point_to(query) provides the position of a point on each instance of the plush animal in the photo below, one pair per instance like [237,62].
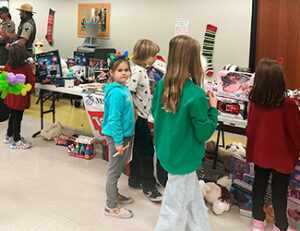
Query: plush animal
[223,154]
[237,149]
[217,195]
[51,131]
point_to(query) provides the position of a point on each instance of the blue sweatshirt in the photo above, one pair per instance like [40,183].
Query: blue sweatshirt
[118,119]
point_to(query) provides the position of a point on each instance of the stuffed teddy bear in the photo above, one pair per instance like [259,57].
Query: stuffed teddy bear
[237,149]
[217,195]
[51,131]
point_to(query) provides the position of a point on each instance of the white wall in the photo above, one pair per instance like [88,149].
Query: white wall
[134,19]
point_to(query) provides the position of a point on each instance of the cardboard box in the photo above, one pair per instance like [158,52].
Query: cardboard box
[83,147]
[293,212]
[66,139]
[239,167]
[294,184]
[234,85]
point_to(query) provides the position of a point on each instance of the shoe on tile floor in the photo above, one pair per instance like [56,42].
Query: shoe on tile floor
[277,229]
[136,184]
[153,195]
[21,144]
[7,139]
[118,212]
[258,225]
[124,200]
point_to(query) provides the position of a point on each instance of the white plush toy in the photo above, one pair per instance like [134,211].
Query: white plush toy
[238,149]
[51,131]
[217,194]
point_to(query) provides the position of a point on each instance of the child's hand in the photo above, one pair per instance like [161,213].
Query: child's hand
[212,99]
[119,149]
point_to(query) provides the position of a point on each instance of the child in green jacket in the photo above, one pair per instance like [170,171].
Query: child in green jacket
[183,120]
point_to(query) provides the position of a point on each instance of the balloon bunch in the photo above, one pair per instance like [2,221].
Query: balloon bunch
[15,84]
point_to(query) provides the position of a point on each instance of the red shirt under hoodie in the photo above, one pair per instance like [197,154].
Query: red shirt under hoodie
[19,102]
[274,136]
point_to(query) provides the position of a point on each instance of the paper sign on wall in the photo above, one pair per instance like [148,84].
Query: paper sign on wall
[182,26]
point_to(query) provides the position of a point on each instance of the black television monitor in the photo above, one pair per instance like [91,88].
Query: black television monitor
[48,65]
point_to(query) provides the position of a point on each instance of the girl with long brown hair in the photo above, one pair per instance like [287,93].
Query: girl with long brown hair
[183,120]
[273,143]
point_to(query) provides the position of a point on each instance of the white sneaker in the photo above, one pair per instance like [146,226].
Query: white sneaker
[118,212]
[21,144]
[7,139]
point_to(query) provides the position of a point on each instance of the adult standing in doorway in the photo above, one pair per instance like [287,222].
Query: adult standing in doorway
[7,33]
[27,29]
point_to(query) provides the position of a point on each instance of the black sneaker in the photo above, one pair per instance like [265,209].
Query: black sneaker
[153,195]
[136,184]
[124,199]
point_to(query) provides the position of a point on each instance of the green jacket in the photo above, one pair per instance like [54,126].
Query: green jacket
[179,138]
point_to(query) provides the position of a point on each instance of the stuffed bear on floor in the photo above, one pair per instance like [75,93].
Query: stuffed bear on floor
[51,131]
[218,195]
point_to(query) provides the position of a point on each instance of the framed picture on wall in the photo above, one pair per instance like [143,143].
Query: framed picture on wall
[94,13]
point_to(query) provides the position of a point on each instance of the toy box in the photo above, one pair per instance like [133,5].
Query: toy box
[293,212]
[239,167]
[83,147]
[66,139]
[235,85]
[230,107]
[105,156]
[294,184]
[241,197]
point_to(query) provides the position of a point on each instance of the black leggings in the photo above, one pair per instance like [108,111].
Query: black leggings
[141,166]
[279,190]
[14,124]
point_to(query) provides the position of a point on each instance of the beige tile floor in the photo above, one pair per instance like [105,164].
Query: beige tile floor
[43,189]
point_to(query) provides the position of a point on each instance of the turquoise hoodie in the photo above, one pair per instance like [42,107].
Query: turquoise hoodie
[118,119]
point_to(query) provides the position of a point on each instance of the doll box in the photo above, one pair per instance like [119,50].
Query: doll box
[239,167]
[240,197]
[83,147]
[293,212]
[294,184]
[66,139]
[235,85]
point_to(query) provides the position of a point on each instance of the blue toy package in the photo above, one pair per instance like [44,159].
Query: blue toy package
[154,76]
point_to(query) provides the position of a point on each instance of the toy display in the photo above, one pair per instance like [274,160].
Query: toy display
[217,194]
[83,147]
[15,84]
[156,71]
[235,85]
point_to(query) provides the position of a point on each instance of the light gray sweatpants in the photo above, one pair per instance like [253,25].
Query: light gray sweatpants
[114,171]
[183,207]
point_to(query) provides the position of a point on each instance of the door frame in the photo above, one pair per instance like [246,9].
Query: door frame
[252,52]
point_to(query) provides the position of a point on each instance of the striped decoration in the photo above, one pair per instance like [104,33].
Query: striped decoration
[208,48]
